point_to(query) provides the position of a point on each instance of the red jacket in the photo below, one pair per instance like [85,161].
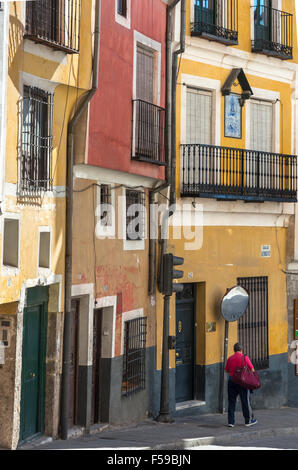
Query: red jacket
[234,361]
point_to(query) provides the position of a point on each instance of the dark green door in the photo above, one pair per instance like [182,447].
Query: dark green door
[262,20]
[33,365]
[185,335]
[205,12]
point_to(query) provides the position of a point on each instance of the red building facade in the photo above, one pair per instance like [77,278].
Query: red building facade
[120,161]
[132,68]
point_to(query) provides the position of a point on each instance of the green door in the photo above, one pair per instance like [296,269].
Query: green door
[185,344]
[33,363]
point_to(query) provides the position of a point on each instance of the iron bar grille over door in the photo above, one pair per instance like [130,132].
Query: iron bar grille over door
[35,169]
[216,20]
[253,325]
[134,356]
[55,23]
[148,118]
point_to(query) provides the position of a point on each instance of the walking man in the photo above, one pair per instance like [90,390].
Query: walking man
[234,389]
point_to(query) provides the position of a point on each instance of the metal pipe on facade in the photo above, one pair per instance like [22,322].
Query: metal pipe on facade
[174,94]
[67,333]
[152,242]
[164,413]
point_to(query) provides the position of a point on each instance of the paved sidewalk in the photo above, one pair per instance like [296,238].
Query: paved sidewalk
[184,433]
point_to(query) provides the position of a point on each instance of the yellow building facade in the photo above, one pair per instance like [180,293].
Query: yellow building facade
[236,126]
[47,65]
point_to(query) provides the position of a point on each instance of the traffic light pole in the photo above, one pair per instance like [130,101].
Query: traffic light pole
[164,413]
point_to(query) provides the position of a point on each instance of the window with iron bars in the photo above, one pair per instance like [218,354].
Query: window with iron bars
[134,356]
[105,205]
[253,325]
[35,161]
[55,23]
[122,7]
[135,215]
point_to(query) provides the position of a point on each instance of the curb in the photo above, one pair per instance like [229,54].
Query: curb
[225,439]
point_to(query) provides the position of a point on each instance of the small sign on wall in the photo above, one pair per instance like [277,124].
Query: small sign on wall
[266,251]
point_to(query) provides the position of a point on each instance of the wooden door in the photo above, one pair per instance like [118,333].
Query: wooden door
[33,367]
[96,389]
[185,334]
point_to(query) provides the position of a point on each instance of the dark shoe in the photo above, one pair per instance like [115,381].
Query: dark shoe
[252,422]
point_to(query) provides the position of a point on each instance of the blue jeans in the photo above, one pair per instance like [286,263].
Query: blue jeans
[233,391]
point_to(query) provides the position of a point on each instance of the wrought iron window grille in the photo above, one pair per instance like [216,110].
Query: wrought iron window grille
[232,173]
[216,20]
[135,215]
[134,356]
[253,325]
[273,32]
[55,23]
[148,132]
[105,205]
[35,146]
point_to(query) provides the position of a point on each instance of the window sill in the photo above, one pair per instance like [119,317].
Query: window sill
[229,38]
[52,44]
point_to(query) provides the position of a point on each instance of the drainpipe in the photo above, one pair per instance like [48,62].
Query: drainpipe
[174,94]
[169,155]
[164,413]
[67,333]
[168,173]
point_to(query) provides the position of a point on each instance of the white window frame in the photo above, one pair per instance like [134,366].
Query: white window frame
[274,98]
[205,84]
[10,270]
[156,48]
[122,20]
[209,85]
[126,316]
[105,231]
[41,270]
[130,245]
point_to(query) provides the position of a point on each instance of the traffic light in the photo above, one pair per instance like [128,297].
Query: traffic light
[169,273]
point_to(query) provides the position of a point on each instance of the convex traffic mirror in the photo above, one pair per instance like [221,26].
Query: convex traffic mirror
[234,303]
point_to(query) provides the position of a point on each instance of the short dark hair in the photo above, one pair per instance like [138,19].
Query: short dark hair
[238,347]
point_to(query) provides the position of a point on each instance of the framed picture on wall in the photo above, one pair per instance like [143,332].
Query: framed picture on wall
[233,116]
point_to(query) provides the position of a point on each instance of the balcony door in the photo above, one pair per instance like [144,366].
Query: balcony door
[261,172]
[205,11]
[145,116]
[262,20]
[201,159]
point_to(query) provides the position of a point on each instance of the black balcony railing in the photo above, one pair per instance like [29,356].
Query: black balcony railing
[148,132]
[231,173]
[216,20]
[273,32]
[55,23]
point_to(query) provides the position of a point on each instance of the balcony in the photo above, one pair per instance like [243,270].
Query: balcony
[273,32]
[148,132]
[216,20]
[54,23]
[229,173]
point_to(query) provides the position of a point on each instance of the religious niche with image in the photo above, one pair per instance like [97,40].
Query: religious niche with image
[233,115]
